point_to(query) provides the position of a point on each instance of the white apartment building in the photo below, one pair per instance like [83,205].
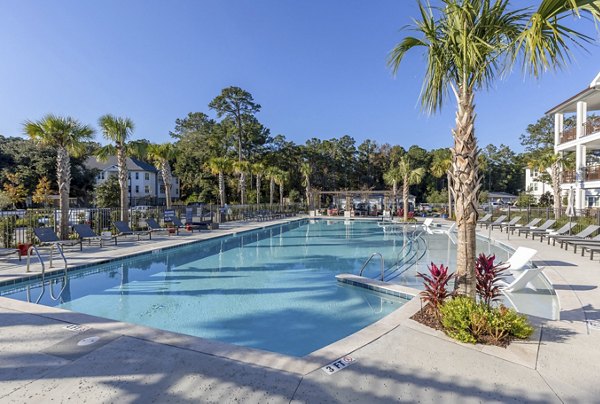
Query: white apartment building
[533,186]
[584,140]
[145,181]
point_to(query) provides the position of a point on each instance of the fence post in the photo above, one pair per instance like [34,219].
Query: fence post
[547,213]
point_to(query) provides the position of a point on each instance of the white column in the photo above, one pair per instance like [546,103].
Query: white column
[558,128]
[581,118]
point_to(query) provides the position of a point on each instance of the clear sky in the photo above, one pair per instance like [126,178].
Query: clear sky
[318,68]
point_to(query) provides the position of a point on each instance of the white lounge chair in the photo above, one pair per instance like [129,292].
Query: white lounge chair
[522,280]
[428,222]
[521,257]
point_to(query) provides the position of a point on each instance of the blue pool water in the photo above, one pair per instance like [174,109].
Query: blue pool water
[272,289]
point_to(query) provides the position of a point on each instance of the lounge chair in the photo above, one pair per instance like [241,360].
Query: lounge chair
[496,222]
[123,229]
[85,232]
[427,222]
[484,219]
[507,225]
[530,225]
[591,249]
[543,228]
[590,242]
[521,281]
[582,235]
[521,257]
[560,232]
[153,226]
[188,226]
[47,236]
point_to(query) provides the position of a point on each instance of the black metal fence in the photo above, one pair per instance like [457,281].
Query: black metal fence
[16,226]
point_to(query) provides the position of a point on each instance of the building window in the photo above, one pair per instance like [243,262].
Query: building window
[535,186]
[137,189]
[129,189]
[593,201]
[147,176]
[129,175]
[102,175]
[137,176]
[147,189]
[162,189]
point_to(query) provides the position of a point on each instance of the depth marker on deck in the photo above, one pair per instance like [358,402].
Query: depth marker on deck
[338,364]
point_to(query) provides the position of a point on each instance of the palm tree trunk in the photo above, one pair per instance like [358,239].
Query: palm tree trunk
[242,188]
[450,212]
[466,183]
[272,191]
[395,192]
[405,197]
[222,188]
[166,174]
[122,168]
[258,181]
[555,170]
[307,190]
[63,174]
[281,194]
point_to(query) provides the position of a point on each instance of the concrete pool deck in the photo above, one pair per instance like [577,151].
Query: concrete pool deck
[41,361]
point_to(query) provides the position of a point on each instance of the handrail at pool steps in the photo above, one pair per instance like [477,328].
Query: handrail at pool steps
[409,258]
[37,253]
[369,260]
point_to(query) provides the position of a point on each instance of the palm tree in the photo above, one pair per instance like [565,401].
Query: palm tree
[117,130]
[306,171]
[162,154]
[259,170]
[556,162]
[220,166]
[393,177]
[410,176]
[281,178]
[67,136]
[468,43]
[442,166]
[242,167]
[271,174]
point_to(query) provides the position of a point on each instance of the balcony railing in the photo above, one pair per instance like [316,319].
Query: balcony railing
[568,176]
[592,173]
[568,134]
[592,125]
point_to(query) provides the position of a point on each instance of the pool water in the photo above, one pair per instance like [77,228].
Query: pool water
[272,289]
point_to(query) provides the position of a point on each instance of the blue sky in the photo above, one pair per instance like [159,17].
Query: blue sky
[317,68]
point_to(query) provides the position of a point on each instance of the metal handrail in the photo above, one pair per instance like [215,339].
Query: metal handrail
[37,253]
[369,260]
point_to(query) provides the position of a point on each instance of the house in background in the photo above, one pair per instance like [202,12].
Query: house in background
[584,140]
[146,186]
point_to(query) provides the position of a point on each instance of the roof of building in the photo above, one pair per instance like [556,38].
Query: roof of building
[591,95]
[132,164]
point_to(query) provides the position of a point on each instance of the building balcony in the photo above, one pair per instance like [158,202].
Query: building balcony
[590,173]
[591,126]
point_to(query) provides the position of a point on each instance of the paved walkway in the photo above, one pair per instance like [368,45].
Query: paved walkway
[40,360]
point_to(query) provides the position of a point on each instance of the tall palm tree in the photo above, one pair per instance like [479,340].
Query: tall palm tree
[410,176]
[393,177]
[556,162]
[118,131]
[259,171]
[439,167]
[281,178]
[306,171]
[271,174]
[67,136]
[162,154]
[220,166]
[242,167]
[468,43]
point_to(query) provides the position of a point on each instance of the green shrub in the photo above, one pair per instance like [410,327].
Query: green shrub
[468,321]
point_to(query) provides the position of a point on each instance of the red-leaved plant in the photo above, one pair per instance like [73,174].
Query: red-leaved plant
[436,283]
[488,275]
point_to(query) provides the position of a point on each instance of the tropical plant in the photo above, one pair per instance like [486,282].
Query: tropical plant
[281,177]
[162,155]
[306,171]
[410,176]
[14,189]
[259,171]
[108,193]
[220,166]
[242,167]
[488,275]
[271,174]
[4,200]
[67,135]
[392,177]
[436,287]
[439,168]
[557,163]
[468,44]
[118,131]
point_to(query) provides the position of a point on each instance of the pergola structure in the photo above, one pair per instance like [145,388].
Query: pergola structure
[385,196]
